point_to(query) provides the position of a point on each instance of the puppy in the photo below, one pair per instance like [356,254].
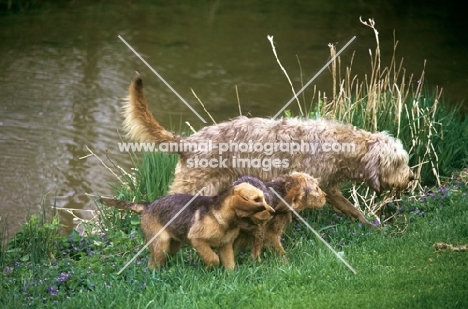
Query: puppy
[298,190]
[207,223]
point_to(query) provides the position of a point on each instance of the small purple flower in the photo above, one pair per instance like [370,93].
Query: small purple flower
[53,291]
[7,270]
[132,236]
[143,286]
[63,277]
[341,244]
[103,235]
[376,222]
[17,264]
[443,190]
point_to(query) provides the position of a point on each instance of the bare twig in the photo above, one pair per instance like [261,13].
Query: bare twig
[201,103]
[238,102]
[270,38]
[190,126]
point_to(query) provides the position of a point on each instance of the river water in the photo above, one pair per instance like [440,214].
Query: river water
[64,70]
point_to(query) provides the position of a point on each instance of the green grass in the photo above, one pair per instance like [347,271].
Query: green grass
[397,265]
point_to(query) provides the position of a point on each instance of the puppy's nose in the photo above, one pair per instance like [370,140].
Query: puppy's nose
[270,209]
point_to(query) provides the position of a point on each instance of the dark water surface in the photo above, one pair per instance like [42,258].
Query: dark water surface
[63,72]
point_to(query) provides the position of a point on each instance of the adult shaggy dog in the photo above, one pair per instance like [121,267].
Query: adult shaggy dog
[331,151]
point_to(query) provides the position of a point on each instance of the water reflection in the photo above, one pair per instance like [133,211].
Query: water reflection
[64,71]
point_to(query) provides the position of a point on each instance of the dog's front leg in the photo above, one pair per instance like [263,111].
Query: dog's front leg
[257,243]
[277,246]
[341,204]
[226,254]
[210,258]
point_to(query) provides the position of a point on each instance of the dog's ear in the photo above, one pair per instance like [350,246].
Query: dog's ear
[245,205]
[370,165]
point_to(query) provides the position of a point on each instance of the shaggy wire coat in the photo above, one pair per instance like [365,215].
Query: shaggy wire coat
[298,190]
[377,159]
[208,222]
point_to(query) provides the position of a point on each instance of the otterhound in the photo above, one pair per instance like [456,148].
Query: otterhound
[298,190]
[331,151]
[208,222]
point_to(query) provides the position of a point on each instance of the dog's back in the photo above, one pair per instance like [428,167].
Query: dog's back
[171,207]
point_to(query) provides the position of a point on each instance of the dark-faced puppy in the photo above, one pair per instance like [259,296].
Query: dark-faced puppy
[298,190]
[207,223]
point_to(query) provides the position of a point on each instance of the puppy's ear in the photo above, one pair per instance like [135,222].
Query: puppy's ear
[244,206]
[370,165]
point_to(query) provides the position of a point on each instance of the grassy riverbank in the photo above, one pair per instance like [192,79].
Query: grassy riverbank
[397,265]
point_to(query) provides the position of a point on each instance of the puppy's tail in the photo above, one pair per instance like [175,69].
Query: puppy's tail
[138,119]
[135,207]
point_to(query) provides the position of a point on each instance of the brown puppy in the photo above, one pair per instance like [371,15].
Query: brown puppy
[208,222]
[299,190]
[334,152]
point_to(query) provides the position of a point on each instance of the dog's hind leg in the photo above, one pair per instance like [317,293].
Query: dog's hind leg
[341,204]
[208,255]
[160,246]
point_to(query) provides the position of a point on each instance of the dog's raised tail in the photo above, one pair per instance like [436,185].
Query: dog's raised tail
[138,119]
[135,207]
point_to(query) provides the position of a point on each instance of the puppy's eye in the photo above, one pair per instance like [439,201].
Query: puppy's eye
[258,200]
